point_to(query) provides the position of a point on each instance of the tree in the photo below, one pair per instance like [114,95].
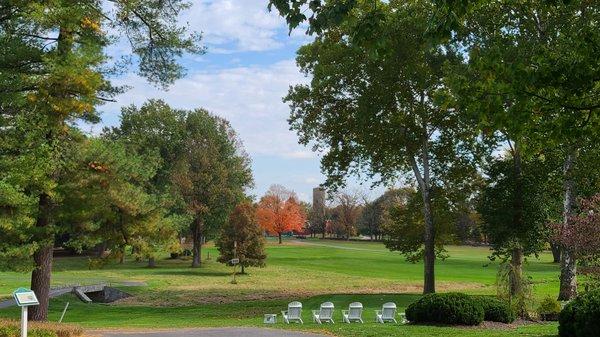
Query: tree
[241,237]
[279,211]
[539,203]
[64,76]
[375,110]
[532,75]
[106,200]
[157,129]
[211,174]
[375,213]
[403,222]
[346,213]
[582,237]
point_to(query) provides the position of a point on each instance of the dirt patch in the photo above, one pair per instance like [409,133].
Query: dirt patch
[199,297]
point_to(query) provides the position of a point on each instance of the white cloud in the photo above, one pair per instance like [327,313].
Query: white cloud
[250,97]
[241,25]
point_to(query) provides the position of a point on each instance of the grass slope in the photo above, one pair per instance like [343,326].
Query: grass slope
[314,272]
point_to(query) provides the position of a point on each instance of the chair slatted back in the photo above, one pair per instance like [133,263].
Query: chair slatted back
[294,310]
[326,310]
[388,311]
[355,310]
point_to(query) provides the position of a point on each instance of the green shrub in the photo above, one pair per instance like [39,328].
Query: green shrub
[496,310]
[549,309]
[581,317]
[448,308]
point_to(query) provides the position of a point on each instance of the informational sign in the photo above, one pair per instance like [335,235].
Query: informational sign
[25,297]
[233,262]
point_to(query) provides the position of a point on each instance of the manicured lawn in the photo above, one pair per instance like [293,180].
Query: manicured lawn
[313,272]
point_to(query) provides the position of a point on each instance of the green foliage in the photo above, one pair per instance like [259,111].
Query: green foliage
[375,213]
[107,199]
[446,308]
[242,237]
[403,225]
[211,171]
[376,107]
[541,203]
[514,287]
[496,310]
[581,316]
[58,73]
[549,309]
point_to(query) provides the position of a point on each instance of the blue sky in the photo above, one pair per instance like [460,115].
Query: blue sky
[246,71]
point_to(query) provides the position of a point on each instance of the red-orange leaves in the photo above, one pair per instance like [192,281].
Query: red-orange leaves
[279,211]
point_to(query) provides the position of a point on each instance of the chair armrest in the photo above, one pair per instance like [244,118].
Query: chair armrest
[314,312]
[378,312]
[344,312]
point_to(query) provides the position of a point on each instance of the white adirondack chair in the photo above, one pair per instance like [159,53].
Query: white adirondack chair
[293,314]
[387,313]
[354,312]
[324,314]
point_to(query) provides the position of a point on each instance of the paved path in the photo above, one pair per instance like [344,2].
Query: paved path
[212,332]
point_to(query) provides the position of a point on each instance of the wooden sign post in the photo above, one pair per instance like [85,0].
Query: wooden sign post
[234,262]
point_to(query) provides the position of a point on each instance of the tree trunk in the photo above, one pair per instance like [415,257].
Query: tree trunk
[568,265]
[243,269]
[122,255]
[41,275]
[101,249]
[151,262]
[279,235]
[516,273]
[197,244]
[556,251]
[429,232]
[516,261]
[323,234]
[429,237]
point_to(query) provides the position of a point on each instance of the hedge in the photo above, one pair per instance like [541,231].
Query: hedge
[446,308]
[581,317]
[496,310]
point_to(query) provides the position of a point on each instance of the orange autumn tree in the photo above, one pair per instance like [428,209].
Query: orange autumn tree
[279,211]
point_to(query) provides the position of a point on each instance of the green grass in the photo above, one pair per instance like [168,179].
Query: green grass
[313,272]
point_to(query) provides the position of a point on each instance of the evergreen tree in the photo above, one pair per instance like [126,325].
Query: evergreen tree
[57,73]
[241,237]
[106,200]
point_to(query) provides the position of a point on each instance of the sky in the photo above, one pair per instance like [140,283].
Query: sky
[247,70]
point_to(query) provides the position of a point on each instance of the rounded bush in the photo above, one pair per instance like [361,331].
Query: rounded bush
[447,308]
[581,317]
[496,310]
[549,309]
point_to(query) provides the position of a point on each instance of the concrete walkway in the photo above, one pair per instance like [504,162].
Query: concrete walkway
[209,332]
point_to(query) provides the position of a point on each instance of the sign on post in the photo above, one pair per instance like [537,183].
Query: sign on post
[25,298]
[233,262]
